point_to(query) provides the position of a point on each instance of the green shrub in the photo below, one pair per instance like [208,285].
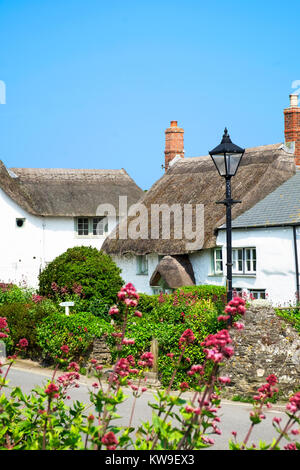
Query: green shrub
[215,293]
[77,331]
[23,319]
[166,324]
[82,271]
[11,293]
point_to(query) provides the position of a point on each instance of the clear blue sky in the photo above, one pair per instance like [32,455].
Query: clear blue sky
[94,84]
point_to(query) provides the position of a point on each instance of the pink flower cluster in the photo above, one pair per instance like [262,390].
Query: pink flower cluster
[216,347]
[196,369]
[52,390]
[187,337]
[294,403]
[68,380]
[267,390]
[236,306]
[110,441]
[23,343]
[146,360]
[37,298]
[65,349]
[4,327]
[128,295]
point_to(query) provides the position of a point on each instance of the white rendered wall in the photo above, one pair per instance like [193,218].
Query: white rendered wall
[275,270]
[128,265]
[25,250]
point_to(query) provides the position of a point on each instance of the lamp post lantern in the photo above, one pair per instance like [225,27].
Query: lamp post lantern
[227,157]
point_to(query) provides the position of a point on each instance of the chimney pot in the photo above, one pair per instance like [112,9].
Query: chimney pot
[173,123]
[293,101]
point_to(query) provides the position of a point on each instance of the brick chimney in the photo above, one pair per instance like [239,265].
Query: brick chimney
[292,126]
[174,143]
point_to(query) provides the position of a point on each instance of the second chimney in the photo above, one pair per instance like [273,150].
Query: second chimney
[174,143]
[292,126]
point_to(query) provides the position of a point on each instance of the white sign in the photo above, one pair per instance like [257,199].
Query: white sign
[67,305]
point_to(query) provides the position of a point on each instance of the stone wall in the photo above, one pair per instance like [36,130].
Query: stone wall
[267,345]
[101,351]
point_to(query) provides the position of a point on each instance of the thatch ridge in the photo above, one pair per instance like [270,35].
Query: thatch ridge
[67,192]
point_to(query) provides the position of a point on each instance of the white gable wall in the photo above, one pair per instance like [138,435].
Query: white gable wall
[25,250]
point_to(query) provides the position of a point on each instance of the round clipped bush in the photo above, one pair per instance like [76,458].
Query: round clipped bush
[84,271]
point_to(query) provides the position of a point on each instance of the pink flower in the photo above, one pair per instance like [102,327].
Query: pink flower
[223,317]
[110,440]
[74,366]
[113,310]
[183,386]
[272,379]
[187,337]
[52,389]
[3,335]
[36,298]
[224,380]
[238,325]
[3,323]
[23,343]
[138,314]
[276,420]
[146,360]
[54,287]
[65,349]
[294,403]
[128,341]
[291,446]
[121,295]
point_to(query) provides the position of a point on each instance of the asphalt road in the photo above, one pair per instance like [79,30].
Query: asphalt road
[234,416]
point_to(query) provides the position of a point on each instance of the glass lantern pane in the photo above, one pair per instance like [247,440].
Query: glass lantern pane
[232,163]
[220,163]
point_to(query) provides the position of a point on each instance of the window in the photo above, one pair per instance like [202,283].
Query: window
[250,293]
[243,261]
[98,227]
[142,264]
[257,293]
[250,260]
[237,260]
[218,260]
[91,226]
[83,226]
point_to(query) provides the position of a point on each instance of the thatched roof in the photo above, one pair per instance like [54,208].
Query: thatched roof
[176,271]
[67,192]
[196,181]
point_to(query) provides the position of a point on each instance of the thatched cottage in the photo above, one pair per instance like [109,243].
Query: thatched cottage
[265,224]
[46,211]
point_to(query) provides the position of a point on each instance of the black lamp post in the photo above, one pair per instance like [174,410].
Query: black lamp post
[227,157]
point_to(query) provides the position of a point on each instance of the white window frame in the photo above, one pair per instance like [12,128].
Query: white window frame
[236,260]
[102,226]
[251,260]
[142,265]
[260,293]
[218,260]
